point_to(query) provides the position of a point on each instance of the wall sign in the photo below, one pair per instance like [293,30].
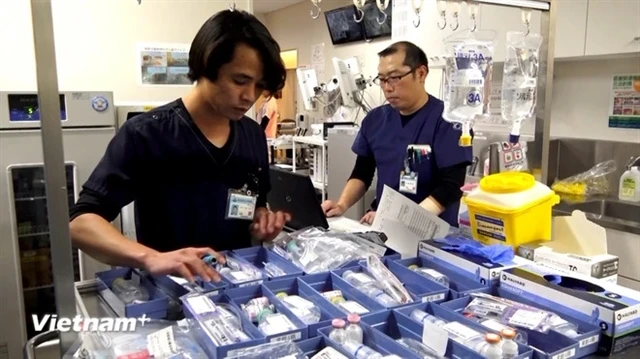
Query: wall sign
[163,64]
[624,111]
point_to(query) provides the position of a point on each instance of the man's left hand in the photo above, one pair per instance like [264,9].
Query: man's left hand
[267,225]
[368,218]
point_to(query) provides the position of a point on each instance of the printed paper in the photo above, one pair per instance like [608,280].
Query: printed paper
[625,101]
[163,64]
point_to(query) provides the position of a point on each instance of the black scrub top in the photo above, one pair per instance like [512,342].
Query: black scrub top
[180,181]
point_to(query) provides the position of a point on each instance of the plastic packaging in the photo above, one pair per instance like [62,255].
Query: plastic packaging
[273,270]
[367,285]
[418,348]
[432,274]
[470,338]
[520,335]
[314,250]
[305,310]
[338,333]
[353,331]
[274,323]
[422,316]
[588,183]
[468,79]
[517,314]
[509,346]
[387,281]
[237,271]
[129,292]
[288,350]
[361,351]
[520,80]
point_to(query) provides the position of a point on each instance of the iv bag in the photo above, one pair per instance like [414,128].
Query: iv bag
[520,80]
[469,63]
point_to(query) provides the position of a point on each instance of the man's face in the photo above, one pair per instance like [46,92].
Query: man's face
[402,85]
[238,86]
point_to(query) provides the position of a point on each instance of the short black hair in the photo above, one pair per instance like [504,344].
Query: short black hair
[414,57]
[215,42]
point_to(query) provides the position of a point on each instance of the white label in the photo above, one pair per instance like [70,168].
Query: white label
[249,284]
[495,325]
[353,307]
[433,298]
[279,320]
[556,321]
[285,338]
[435,337]
[459,332]
[332,294]
[588,341]
[239,275]
[329,353]
[308,257]
[488,304]
[298,302]
[363,278]
[565,355]
[201,305]
[162,344]
[527,318]
[178,280]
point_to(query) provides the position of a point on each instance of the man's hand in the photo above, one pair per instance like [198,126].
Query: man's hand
[333,209]
[267,225]
[186,263]
[368,218]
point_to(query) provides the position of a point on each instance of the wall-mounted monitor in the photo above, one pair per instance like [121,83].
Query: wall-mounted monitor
[372,29]
[342,27]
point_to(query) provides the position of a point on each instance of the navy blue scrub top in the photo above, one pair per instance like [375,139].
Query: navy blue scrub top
[383,137]
[180,181]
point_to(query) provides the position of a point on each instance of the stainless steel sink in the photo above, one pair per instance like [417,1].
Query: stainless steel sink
[609,213]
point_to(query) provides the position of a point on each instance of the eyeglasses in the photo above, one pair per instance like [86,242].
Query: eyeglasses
[391,80]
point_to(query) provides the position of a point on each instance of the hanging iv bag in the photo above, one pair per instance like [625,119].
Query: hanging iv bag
[469,63]
[520,80]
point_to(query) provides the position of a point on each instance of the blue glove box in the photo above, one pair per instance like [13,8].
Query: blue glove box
[419,289]
[404,316]
[292,286]
[317,284]
[259,255]
[243,261]
[374,338]
[587,340]
[202,334]
[155,308]
[459,284]
[240,296]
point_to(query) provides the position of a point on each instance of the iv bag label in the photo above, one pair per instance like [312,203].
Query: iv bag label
[490,227]
[162,344]
[201,305]
[528,318]
[459,332]
[488,304]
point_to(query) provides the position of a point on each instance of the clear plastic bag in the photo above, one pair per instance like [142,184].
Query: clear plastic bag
[589,183]
[469,64]
[520,80]
[387,281]
[287,350]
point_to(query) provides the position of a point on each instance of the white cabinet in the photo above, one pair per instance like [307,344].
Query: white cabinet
[502,20]
[571,28]
[613,27]
[627,247]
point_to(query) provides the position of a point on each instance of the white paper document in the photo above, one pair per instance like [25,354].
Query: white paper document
[406,223]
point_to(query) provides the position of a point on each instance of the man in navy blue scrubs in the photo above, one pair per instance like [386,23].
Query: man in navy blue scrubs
[413,148]
[197,168]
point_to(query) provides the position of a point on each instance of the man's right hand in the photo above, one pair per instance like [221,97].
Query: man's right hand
[186,263]
[333,209]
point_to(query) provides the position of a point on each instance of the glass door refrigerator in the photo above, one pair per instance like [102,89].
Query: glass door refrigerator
[89,123]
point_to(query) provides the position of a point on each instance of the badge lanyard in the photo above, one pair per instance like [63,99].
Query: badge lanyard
[241,204]
[414,154]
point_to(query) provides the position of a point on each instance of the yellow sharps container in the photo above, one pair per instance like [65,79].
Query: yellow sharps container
[511,208]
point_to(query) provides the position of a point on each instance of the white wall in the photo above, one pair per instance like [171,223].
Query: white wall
[581,99]
[96,42]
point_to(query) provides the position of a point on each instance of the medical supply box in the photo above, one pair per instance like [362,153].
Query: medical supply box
[603,266]
[510,208]
[615,309]
[474,267]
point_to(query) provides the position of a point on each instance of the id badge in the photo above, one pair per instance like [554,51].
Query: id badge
[409,183]
[240,205]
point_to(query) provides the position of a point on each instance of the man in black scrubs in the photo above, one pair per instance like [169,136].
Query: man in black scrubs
[197,168]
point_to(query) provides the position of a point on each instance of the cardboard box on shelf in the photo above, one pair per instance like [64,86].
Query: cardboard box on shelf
[578,245]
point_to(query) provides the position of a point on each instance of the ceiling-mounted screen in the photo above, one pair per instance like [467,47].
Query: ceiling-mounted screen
[372,29]
[342,27]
